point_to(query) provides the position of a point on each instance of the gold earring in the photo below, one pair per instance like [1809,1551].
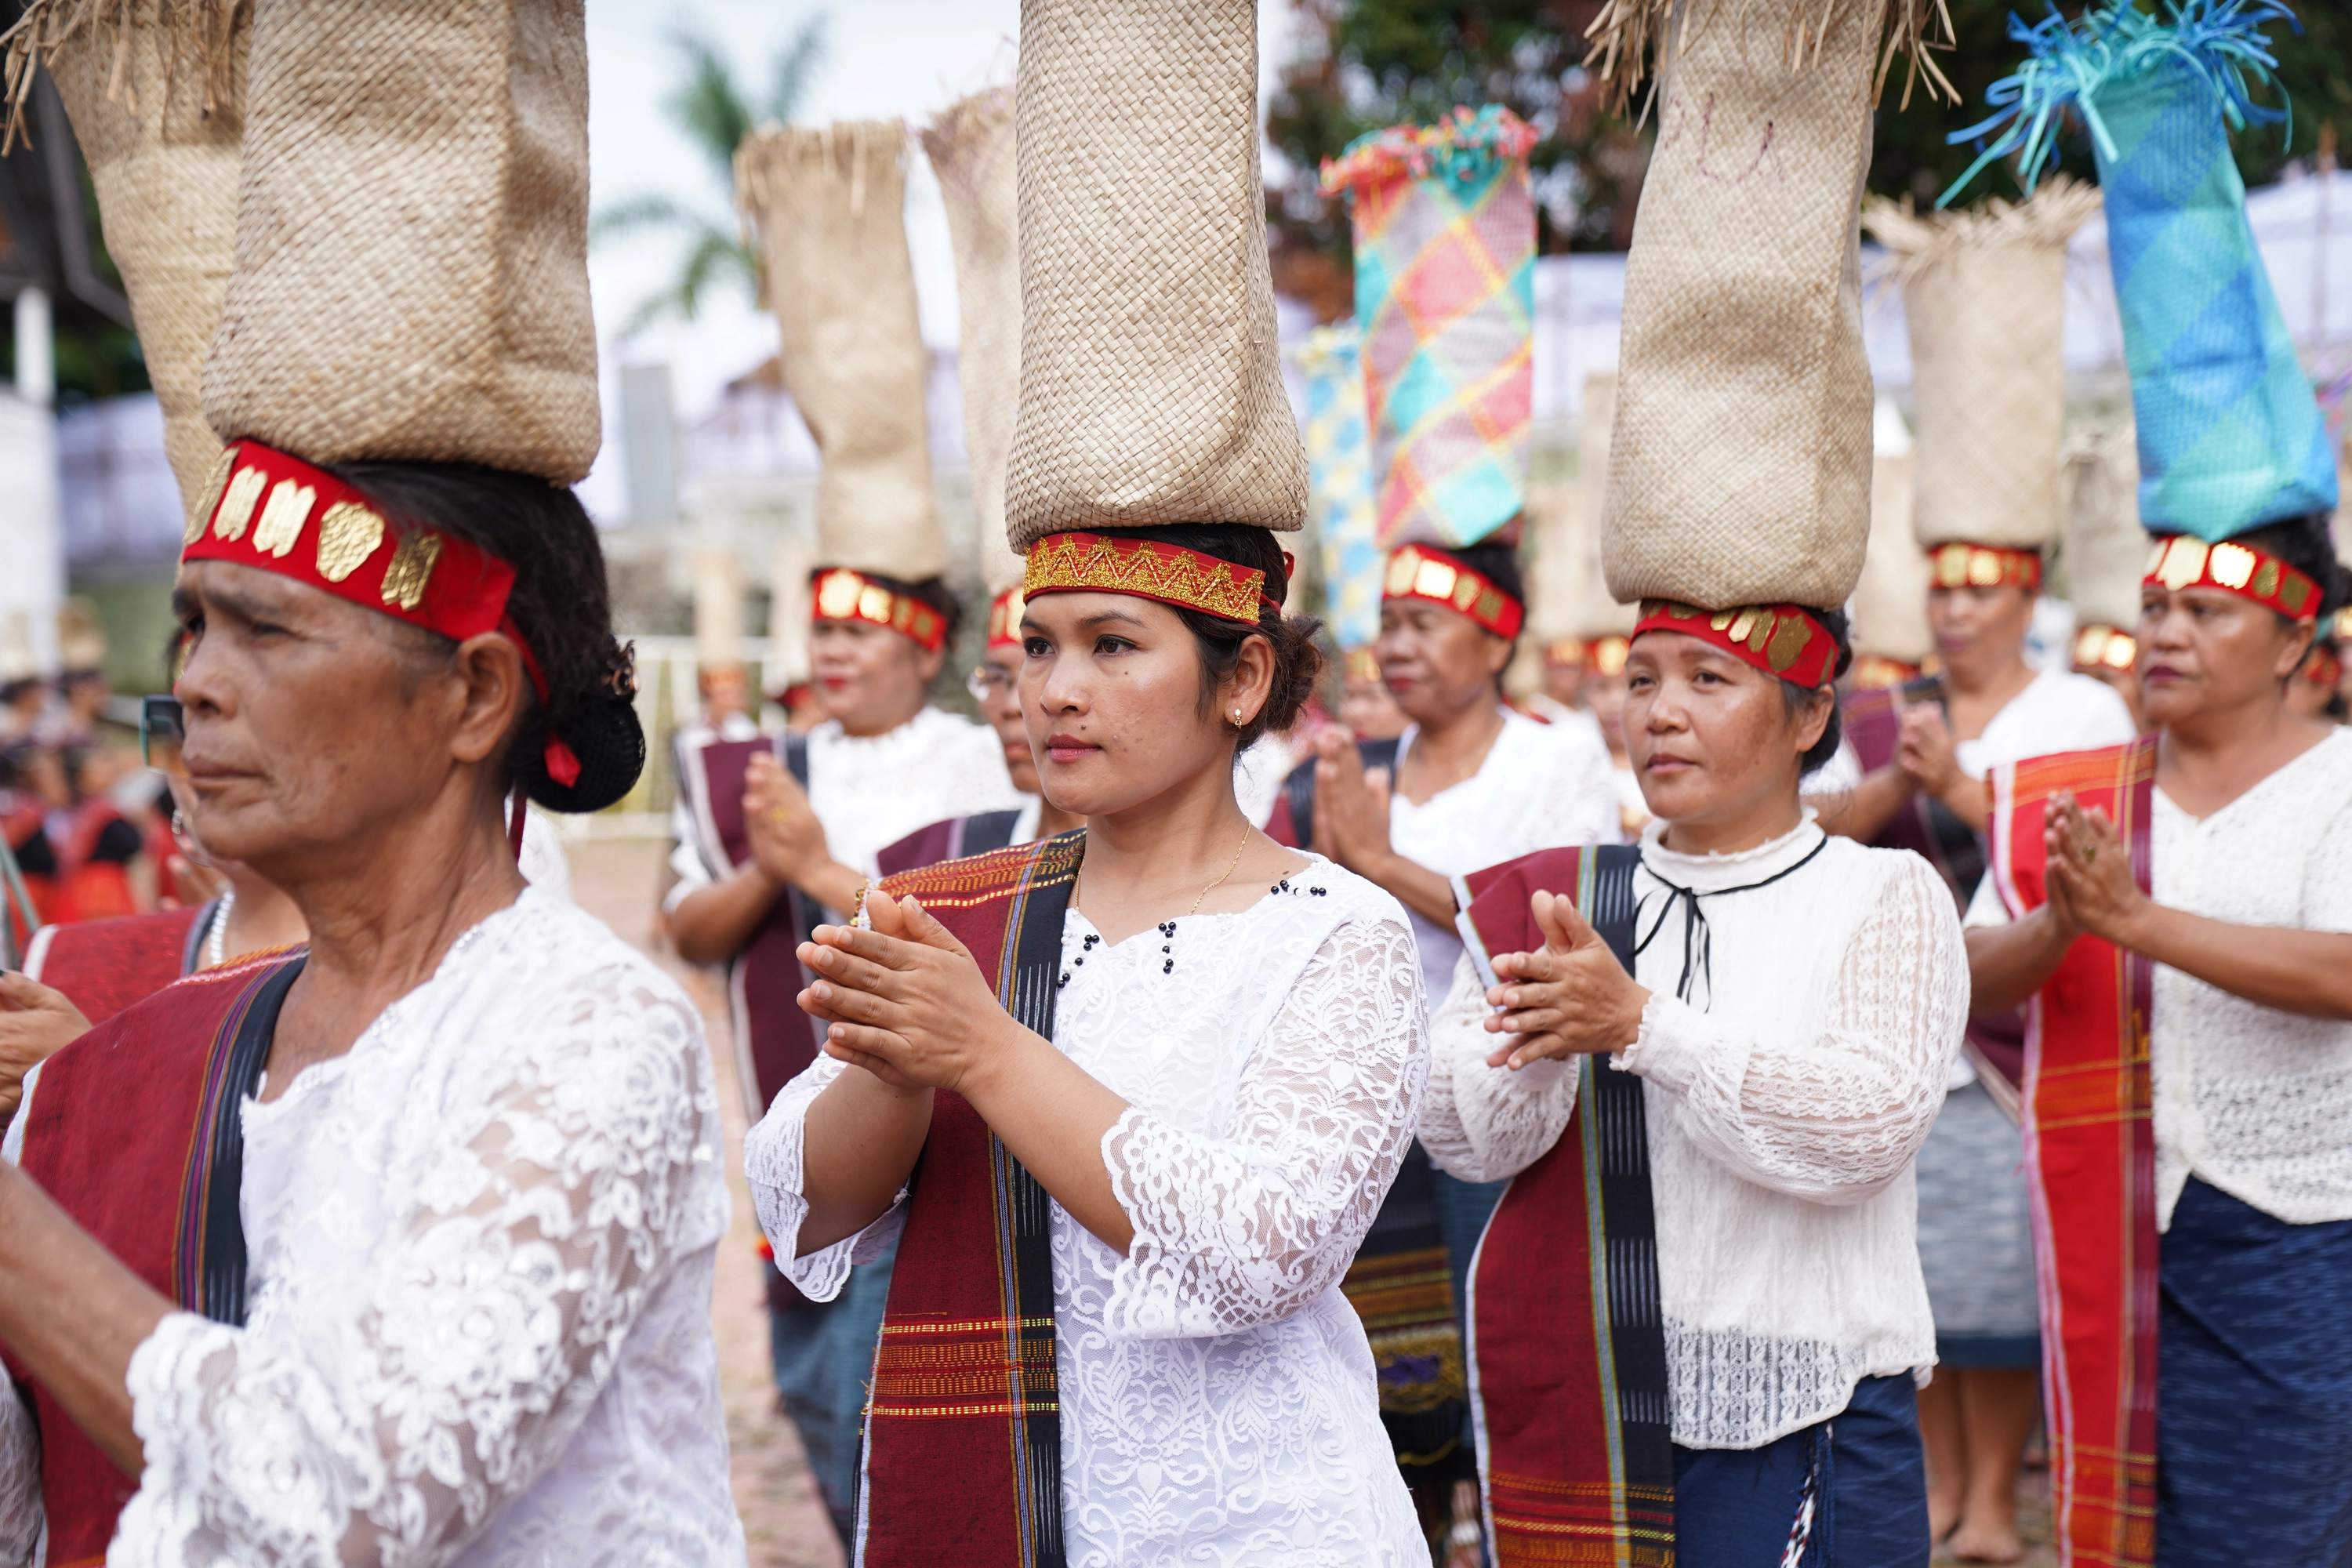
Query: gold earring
[1237,716]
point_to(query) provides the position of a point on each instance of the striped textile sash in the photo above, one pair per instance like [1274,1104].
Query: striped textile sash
[1402,1286]
[136,1130]
[2090,1164]
[1568,1346]
[963,1431]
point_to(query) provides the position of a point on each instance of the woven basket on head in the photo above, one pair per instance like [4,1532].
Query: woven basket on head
[1556,535]
[717,608]
[1890,601]
[1984,293]
[1739,468]
[412,239]
[81,636]
[19,662]
[1150,382]
[155,90]
[971,151]
[2107,548]
[830,208]
[789,603]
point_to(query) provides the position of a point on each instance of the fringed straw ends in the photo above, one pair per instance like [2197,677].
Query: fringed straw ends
[200,30]
[1465,146]
[1630,39]
[2069,62]
[1917,244]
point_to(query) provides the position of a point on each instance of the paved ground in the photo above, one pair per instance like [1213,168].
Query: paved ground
[783,1520]
[781,1517]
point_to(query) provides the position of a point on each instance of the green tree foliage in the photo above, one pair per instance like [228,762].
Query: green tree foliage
[716,113]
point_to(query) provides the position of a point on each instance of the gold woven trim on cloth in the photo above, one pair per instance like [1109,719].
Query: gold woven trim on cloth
[1083,562]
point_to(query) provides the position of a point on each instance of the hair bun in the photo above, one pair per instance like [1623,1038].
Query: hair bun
[604,734]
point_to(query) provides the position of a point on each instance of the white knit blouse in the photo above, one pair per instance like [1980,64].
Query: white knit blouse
[1785,1101]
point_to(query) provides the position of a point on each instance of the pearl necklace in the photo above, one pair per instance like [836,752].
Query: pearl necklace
[216,940]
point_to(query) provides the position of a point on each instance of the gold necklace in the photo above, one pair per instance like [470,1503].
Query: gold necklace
[1078,890]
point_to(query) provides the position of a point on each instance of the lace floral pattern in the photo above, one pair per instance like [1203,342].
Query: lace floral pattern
[1217,1396]
[20,1481]
[1783,1119]
[481,1247]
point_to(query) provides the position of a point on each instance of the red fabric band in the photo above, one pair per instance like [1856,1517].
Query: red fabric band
[1004,618]
[1960,565]
[1147,569]
[1414,573]
[1781,640]
[843,594]
[2180,561]
[271,510]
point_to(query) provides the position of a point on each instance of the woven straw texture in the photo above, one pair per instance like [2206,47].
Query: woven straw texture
[1984,294]
[830,208]
[1890,603]
[155,90]
[1739,470]
[18,659]
[1445,249]
[1596,614]
[717,608]
[2107,548]
[971,150]
[1340,469]
[412,239]
[81,638]
[1555,533]
[1150,382]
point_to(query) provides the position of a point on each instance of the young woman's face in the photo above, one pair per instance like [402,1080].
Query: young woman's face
[996,687]
[1437,662]
[1984,626]
[1110,688]
[1710,738]
[869,678]
[2206,650]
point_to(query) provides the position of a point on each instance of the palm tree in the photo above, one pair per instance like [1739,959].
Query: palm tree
[715,114]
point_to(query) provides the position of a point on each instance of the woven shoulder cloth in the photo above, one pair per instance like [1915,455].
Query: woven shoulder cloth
[774,1038]
[953,839]
[135,1130]
[104,966]
[963,1429]
[2090,1166]
[1567,1344]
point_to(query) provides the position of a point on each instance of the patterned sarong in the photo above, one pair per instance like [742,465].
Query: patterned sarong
[137,1131]
[1567,1339]
[963,1441]
[2090,1161]
[1445,250]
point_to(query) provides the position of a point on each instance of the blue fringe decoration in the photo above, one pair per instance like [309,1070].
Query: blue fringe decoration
[2068,62]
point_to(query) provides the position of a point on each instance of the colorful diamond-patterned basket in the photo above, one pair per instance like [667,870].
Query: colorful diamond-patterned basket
[1445,235]
[1339,482]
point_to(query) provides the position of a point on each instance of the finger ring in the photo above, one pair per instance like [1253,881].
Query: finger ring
[2090,854]
[778,814]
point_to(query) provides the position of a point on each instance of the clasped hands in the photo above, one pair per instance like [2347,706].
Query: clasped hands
[1570,997]
[905,1001]
[787,840]
[1926,753]
[36,1022]
[2088,874]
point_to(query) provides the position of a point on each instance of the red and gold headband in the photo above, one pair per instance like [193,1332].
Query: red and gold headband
[843,594]
[1782,640]
[1961,565]
[2104,647]
[1875,672]
[1417,573]
[259,509]
[1101,563]
[1362,665]
[2182,562]
[1005,619]
[1565,653]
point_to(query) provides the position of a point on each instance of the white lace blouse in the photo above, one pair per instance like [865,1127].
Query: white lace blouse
[480,1252]
[2252,1100]
[1784,1101]
[1218,1404]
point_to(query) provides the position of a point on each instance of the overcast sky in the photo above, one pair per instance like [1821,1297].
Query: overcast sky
[884,59]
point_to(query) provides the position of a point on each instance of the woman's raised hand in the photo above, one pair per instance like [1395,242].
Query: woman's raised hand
[1569,999]
[2090,874]
[905,1000]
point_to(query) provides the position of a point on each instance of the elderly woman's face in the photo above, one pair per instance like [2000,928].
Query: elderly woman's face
[1110,688]
[313,724]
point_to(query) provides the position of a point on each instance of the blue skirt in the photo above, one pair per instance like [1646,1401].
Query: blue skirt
[2254,1409]
[824,1354]
[1739,1507]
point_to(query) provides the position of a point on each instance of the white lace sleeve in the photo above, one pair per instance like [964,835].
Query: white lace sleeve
[772,1164]
[1245,1228]
[1482,1123]
[20,1479]
[1831,1119]
[390,1420]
